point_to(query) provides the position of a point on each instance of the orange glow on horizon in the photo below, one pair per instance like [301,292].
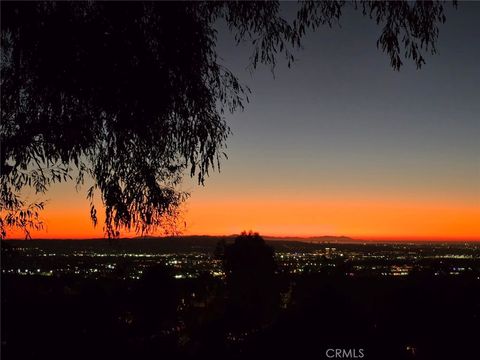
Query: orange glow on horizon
[359,219]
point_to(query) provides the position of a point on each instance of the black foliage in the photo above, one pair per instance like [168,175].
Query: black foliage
[252,292]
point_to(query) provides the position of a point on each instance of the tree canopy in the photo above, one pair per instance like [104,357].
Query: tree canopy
[134,96]
[252,292]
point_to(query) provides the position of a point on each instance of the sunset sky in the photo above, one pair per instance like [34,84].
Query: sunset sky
[340,144]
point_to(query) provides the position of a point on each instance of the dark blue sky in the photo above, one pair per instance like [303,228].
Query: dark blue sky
[343,113]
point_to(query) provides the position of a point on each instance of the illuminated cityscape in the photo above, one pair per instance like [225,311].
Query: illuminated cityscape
[132,259]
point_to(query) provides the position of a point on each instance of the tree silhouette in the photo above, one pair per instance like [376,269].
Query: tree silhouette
[252,291]
[133,96]
[157,298]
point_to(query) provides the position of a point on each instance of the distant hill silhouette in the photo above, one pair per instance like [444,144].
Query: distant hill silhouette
[313,239]
[174,243]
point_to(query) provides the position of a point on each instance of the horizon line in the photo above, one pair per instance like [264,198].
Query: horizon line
[267,237]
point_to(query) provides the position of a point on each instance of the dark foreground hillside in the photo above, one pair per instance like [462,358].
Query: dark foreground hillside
[159,317]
